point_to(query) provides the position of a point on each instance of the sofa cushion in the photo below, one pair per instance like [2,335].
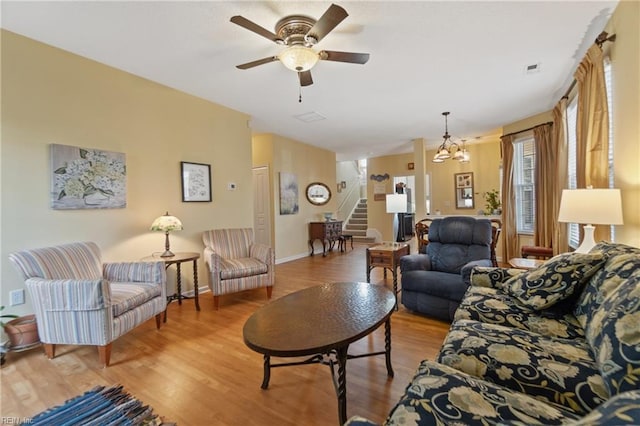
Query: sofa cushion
[552,369]
[440,284]
[554,280]
[622,409]
[442,395]
[615,270]
[492,306]
[456,240]
[126,296]
[614,333]
[242,267]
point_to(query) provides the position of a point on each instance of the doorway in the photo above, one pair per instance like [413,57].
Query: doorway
[261,205]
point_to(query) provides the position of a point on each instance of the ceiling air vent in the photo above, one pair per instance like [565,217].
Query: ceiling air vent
[309,117]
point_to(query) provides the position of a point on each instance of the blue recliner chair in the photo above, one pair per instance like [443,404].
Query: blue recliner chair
[434,283]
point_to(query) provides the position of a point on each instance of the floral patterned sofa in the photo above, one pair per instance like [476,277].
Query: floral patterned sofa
[556,345]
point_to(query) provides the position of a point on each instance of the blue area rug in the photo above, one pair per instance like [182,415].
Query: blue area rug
[100,406]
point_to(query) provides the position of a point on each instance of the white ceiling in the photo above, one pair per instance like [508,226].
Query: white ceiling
[467,57]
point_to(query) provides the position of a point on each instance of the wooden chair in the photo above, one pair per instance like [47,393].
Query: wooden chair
[422,234]
[537,252]
[496,228]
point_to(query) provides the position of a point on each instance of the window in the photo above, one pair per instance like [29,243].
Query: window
[572,175]
[572,111]
[524,163]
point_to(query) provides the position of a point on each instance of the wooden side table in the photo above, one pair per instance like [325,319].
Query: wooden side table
[387,256]
[524,263]
[177,260]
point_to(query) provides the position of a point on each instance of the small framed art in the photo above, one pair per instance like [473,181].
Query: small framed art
[196,182]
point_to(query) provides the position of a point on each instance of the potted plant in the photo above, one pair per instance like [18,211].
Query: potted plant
[4,344]
[493,204]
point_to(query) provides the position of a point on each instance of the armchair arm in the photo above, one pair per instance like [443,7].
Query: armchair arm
[262,252]
[69,295]
[465,271]
[415,262]
[213,260]
[137,272]
[492,277]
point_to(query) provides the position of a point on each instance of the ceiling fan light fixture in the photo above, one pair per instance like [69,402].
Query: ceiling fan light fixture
[298,58]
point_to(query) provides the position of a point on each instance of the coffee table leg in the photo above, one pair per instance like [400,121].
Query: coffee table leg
[267,372]
[387,346]
[342,384]
[395,285]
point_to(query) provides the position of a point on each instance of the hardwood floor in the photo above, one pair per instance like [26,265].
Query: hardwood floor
[196,370]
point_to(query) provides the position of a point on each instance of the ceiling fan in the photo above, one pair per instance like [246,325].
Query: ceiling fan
[300,34]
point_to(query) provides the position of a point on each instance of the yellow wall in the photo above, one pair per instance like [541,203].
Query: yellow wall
[484,164]
[625,60]
[309,164]
[625,57]
[51,96]
[377,217]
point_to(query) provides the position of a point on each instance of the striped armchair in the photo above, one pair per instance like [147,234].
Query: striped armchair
[236,263]
[78,300]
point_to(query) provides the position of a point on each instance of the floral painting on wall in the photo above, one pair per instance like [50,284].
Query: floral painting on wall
[84,178]
[288,193]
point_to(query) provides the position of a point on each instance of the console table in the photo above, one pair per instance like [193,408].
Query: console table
[327,232]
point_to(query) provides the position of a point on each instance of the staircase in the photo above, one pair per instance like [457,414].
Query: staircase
[357,223]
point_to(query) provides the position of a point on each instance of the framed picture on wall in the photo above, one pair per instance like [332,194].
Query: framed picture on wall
[464,190]
[87,178]
[464,180]
[288,193]
[196,182]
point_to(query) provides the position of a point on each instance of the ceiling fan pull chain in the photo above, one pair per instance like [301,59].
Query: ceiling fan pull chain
[299,94]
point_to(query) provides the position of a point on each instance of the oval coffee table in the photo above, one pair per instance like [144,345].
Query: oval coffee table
[322,321]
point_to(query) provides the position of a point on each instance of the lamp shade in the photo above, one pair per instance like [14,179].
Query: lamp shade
[591,206]
[396,203]
[166,223]
[298,58]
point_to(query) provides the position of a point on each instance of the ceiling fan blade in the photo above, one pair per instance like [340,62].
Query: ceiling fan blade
[252,26]
[256,63]
[305,78]
[327,22]
[352,58]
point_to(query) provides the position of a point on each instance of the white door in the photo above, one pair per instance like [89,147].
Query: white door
[261,206]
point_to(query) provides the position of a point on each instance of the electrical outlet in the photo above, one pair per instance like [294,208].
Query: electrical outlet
[16,297]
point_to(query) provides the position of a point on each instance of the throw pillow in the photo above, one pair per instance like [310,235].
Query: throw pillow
[555,280]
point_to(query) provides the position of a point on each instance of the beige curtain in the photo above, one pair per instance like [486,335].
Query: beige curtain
[510,239]
[592,130]
[545,178]
[560,238]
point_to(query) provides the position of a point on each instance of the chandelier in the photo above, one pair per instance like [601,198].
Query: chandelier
[450,149]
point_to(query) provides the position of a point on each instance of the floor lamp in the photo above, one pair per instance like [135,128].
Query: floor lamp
[590,207]
[396,204]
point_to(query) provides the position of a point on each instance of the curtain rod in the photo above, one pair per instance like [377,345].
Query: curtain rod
[548,123]
[600,40]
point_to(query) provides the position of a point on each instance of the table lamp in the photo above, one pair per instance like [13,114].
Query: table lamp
[166,224]
[396,203]
[590,207]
